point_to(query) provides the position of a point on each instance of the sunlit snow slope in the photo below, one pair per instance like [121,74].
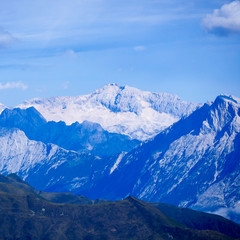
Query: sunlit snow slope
[125,110]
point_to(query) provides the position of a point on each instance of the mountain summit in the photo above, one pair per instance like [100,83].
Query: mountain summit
[120,109]
[194,163]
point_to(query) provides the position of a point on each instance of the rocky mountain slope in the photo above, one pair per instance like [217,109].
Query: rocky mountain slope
[195,163]
[26,215]
[125,110]
[46,165]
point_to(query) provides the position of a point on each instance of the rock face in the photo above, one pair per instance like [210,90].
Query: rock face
[124,110]
[194,163]
[19,154]
[46,165]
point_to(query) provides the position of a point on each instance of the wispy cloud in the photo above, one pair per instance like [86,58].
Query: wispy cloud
[70,53]
[66,85]
[5,38]
[228,212]
[224,20]
[12,85]
[139,48]
[23,66]
[61,25]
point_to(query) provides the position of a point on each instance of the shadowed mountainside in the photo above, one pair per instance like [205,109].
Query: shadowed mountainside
[27,215]
[84,137]
[194,163]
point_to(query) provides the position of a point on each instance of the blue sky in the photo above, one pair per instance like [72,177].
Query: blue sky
[58,47]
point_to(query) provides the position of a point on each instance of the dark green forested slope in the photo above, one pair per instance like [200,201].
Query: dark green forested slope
[25,214]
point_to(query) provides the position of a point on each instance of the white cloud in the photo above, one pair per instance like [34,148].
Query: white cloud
[230,213]
[11,85]
[59,23]
[139,48]
[224,20]
[5,38]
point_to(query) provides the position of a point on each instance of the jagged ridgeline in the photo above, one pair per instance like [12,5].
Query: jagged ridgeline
[192,163]
[26,214]
[119,109]
[86,137]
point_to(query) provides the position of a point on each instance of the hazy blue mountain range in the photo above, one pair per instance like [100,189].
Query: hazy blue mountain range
[84,137]
[193,163]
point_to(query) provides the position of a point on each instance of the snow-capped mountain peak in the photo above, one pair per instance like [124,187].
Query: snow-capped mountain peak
[119,109]
[224,110]
[19,154]
[194,163]
[229,98]
[2,107]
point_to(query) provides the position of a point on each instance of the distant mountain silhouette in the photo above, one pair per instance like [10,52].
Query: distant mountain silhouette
[84,137]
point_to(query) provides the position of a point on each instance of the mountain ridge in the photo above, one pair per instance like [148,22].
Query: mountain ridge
[36,218]
[193,163]
[120,109]
[184,164]
[86,137]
